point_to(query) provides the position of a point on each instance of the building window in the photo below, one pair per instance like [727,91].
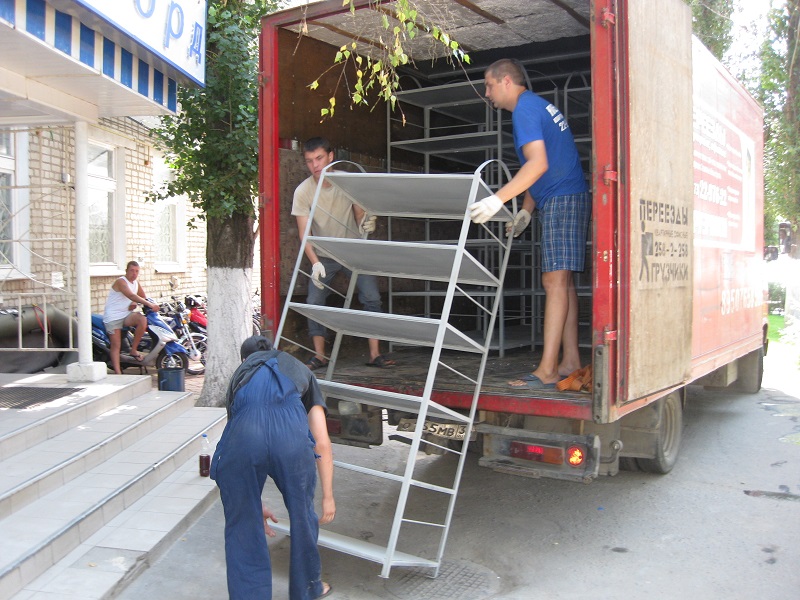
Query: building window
[170,224]
[166,247]
[15,258]
[102,197]
[6,218]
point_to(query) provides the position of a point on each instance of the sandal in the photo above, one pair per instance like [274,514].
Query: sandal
[381,362]
[327,593]
[314,363]
[138,357]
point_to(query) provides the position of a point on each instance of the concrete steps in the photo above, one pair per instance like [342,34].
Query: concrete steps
[94,484]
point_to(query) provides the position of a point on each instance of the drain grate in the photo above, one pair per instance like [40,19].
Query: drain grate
[24,397]
[457,580]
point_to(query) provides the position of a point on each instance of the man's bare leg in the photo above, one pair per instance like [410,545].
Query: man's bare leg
[374,349]
[319,348]
[556,309]
[115,339]
[570,355]
[139,321]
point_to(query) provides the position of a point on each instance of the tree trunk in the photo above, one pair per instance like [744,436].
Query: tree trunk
[229,255]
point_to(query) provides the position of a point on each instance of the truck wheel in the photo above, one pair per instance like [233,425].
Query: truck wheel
[751,372]
[628,463]
[668,441]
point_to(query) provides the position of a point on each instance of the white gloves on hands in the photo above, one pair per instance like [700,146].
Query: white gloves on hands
[521,222]
[485,209]
[368,224]
[317,271]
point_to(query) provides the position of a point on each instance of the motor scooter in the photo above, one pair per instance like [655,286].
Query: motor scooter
[193,341]
[198,321]
[159,345]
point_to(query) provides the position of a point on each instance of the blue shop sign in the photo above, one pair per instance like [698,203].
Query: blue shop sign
[174,30]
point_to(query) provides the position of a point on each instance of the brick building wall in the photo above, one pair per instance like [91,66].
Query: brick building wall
[51,232]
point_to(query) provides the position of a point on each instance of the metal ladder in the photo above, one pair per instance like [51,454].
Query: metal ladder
[417,196]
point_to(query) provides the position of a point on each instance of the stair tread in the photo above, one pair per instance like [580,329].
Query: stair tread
[62,507]
[144,529]
[22,428]
[53,452]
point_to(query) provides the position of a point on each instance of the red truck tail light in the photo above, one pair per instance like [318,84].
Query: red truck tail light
[576,456]
[334,426]
[537,452]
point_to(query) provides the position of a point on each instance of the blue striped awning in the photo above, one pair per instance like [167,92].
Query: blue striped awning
[64,63]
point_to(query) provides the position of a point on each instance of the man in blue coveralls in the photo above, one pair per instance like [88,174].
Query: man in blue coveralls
[276,428]
[552,179]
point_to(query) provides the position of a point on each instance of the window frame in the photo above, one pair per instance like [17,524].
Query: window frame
[18,165]
[116,218]
[161,174]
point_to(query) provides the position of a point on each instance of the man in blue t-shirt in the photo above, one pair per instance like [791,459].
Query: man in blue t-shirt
[552,180]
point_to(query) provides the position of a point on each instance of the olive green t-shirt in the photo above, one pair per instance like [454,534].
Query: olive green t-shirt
[334,214]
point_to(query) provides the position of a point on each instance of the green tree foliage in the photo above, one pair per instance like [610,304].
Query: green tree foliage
[375,64]
[780,96]
[711,22]
[212,144]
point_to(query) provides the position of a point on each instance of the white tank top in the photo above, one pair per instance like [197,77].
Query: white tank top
[117,303]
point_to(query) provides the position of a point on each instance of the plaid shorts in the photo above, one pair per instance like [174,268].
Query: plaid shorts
[565,223]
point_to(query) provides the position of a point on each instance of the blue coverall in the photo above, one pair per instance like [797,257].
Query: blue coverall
[267,435]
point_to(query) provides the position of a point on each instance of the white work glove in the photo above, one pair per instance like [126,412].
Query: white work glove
[521,222]
[317,271]
[368,224]
[485,209]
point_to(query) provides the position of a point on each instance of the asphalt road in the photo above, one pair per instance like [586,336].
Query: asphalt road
[724,524]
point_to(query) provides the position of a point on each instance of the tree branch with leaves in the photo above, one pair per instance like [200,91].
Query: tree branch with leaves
[376,63]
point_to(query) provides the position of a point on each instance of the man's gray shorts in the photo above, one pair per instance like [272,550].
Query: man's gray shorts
[112,326]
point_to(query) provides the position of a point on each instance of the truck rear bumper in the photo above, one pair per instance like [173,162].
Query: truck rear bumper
[540,454]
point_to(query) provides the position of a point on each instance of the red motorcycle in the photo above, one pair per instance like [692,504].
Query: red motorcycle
[198,321]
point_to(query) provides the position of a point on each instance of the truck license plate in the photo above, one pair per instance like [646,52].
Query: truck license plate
[449,431]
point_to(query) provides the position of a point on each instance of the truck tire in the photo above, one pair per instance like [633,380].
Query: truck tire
[668,441]
[751,372]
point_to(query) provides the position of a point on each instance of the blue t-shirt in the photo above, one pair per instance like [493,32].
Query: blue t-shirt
[534,119]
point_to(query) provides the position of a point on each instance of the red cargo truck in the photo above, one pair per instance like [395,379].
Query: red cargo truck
[672,148]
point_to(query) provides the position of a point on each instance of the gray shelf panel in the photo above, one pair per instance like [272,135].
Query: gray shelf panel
[417,331]
[507,293]
[444,196]
[445,95]
[432,262]
[359,548]
[384,399]
[455,144]
[515,336]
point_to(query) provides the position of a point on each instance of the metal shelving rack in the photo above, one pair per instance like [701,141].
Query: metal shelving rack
[426,197]
[459,125]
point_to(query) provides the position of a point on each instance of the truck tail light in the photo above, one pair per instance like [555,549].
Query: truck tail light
[537,452]
[576,456]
